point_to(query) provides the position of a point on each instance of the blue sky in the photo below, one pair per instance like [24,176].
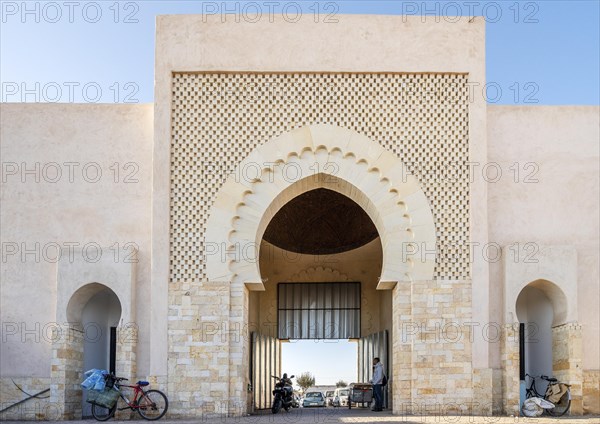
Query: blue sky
[538,52]
[328,360]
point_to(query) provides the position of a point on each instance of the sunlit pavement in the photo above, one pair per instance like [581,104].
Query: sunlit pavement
[343,415]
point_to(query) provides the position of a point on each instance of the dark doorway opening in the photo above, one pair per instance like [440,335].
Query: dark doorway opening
[113,350]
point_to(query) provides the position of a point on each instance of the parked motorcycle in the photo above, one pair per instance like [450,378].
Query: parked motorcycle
[283,394]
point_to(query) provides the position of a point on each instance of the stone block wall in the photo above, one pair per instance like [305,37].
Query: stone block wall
[125,363]
[401,350]
[39,408]
[442,348]
[198,362]
[239,350]
[496,391]
[591,392]
[432,353]
[509,351]
[566,361]
[483,392]
[67,372]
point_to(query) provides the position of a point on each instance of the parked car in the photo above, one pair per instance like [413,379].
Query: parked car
[313,399]
[329,394]
[340,397]
[296,401]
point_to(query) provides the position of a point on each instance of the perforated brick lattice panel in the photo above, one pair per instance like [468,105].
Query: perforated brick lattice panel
[218,119]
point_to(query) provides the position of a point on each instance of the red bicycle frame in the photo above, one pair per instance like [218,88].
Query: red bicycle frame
[137,391]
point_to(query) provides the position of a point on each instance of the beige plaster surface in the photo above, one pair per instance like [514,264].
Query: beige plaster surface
[79,279]
[560,209]
[63,212]
[552,269]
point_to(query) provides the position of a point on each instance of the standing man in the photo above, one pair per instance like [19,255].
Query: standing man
[377,382]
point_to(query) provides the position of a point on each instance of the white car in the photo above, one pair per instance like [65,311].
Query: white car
[340,398]
[329,397]
[313,399]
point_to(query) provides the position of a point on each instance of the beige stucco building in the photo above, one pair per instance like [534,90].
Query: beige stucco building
[175,226]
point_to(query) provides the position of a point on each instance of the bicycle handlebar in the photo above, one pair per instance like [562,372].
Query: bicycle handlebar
[543,377]
[118,378]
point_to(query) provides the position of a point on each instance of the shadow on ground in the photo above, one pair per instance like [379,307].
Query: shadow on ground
[358,416]
[364,415]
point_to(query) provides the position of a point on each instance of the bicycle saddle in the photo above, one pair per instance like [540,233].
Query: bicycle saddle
[142,383]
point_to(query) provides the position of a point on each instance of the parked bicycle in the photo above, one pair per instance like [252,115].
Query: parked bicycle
[559,394]
[150,404]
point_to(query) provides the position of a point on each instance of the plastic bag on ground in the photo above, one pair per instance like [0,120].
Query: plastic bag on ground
[534,407]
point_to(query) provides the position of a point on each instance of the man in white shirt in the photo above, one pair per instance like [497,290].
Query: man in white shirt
[377,382]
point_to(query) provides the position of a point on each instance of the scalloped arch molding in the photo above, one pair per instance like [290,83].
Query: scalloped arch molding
[321,156]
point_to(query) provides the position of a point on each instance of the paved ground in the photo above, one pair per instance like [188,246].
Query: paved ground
[342,415]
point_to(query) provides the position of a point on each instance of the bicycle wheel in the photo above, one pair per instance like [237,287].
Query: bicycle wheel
[100,413]
[562,406]
[153,405]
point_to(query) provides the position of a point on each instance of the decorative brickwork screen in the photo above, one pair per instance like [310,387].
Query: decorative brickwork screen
[219,118]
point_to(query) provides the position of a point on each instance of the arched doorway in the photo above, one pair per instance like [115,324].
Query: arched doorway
[542,342]
[309,158]
[533,288]
[95,330]
[99,320]
[535,314]
[320,262]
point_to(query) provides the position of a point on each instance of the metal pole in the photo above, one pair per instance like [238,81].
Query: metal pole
[24,400]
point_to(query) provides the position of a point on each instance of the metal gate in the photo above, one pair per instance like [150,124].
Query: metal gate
[265,361]
[374,346]
[318,310]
